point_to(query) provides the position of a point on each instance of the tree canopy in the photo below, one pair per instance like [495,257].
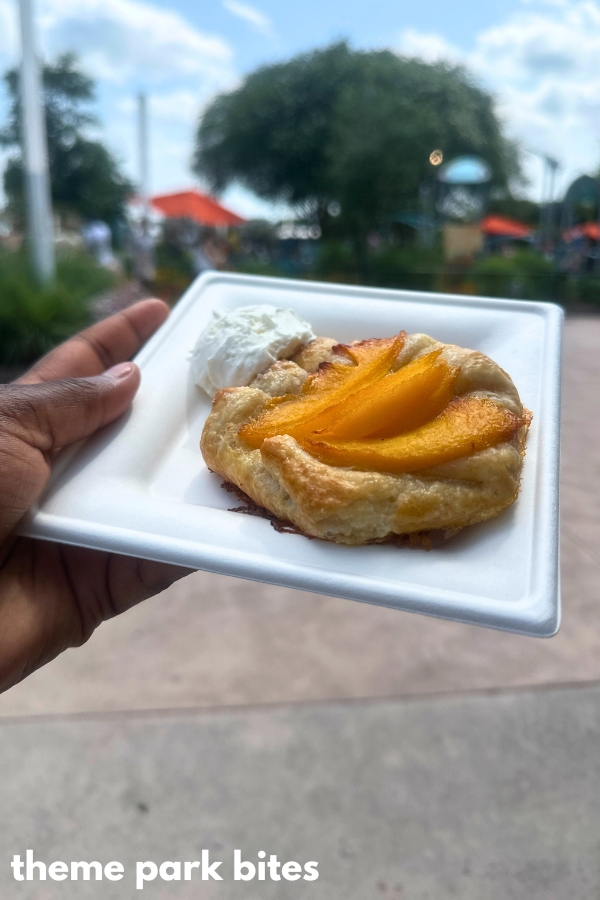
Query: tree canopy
[348,126]
[85,177]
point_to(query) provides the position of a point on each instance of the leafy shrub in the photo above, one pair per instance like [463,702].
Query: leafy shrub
[587,290]
[34,319]
[256,267]
[411,268]
[336,258]
[526,275]
[170,283]
[173,256]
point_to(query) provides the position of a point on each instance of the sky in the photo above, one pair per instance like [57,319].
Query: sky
[538,57]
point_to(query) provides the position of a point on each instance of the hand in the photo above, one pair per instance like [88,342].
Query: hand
[53,596]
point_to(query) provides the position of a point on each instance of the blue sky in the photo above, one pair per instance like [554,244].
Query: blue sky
[539,58]
[295,27]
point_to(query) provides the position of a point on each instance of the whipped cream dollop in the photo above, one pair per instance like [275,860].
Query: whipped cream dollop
[237,346]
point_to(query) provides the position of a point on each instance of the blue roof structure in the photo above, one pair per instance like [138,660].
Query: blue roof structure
[465,170]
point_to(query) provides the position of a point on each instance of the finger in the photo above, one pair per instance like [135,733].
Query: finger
[58,413]
[53,597]
[107,584]
[96,349]
[133,580]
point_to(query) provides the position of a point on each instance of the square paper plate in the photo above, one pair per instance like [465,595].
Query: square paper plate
[141,486]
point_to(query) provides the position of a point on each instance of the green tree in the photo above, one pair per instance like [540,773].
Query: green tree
[516,208]
[388,121]
[85,177]
[273,133]
[350,126]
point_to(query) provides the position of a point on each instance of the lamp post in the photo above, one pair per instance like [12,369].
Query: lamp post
[142,240]
[550,169]
[143,159]
[35,153]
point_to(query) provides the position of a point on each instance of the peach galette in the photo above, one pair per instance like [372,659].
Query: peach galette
[357,443]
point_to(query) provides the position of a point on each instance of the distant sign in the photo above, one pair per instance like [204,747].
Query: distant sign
[461,202]
[466,170]
[294,231]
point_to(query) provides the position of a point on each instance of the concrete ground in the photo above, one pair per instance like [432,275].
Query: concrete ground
[484,795]
[472,797]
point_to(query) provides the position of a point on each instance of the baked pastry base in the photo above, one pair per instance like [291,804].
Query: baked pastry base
[358,507]
[425,540]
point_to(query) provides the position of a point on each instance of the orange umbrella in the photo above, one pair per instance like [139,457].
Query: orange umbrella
[196,206]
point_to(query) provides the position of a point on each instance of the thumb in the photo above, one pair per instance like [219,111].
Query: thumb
[57,413]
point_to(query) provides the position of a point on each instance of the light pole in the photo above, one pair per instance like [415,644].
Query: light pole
[143,252]
[143,158]
[551,167]
[35,153]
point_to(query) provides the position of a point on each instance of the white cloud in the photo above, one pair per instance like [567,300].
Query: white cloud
[429,47]
[252,15]
[248,205]
[132,45]
[121,39]
[8,30]
[542,65]
[172,120]
[182,106]
[129,45]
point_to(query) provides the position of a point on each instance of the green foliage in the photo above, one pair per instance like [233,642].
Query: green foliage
[336,258]
[589,290]
[273,132]
[410,268]
[85,177]
[34,319]
[65,89]
[350,126]
[527,211]
[388,121]
[174,258]
[527,275]
[256,267]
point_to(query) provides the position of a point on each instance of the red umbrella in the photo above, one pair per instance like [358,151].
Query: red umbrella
[502,226]
[586,229]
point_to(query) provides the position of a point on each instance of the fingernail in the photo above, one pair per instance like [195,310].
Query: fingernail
[122,370]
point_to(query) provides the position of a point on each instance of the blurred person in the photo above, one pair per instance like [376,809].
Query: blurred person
[52,596]
[200,260]
[97,239]
[141,243]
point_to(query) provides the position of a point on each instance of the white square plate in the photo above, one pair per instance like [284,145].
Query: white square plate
[141,487]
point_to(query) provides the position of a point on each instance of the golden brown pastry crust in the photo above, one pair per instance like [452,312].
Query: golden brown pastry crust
[356,507]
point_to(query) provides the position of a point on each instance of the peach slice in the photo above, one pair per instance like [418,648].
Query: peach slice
[466,426]
[430,406]
[400,402]
[332,374]
[372,359]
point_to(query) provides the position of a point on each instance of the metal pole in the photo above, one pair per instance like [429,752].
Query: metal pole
[544,205]
[553,166]
[35,153]
[143,154]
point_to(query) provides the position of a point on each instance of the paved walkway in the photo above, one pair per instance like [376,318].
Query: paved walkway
[477,798]
[448,794]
